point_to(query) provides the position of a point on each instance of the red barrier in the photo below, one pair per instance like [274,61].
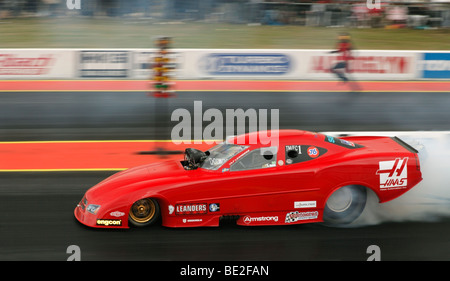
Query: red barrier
[221,85]
[84,155]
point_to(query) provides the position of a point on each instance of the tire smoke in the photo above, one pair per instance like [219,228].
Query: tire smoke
[428,201]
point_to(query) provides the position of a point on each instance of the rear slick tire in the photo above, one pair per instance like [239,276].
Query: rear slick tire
[345,205]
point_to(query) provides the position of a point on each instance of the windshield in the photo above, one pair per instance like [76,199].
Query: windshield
[220,154]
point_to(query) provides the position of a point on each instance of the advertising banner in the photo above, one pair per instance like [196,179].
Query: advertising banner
[296,64]
[142,63]
[36,63]
[142,60]
[246,64]
[240,64]
[435,65]
[104,64]
[266,64]
[373,65]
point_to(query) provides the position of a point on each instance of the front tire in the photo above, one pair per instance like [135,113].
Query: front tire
[144,212]
[345,205]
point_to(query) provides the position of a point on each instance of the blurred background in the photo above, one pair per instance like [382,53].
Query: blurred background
[392,14]
[306,24]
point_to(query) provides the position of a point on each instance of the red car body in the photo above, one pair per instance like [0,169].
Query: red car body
[295,186]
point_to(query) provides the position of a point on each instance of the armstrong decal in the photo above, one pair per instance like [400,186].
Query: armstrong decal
[249,219]
[393,174]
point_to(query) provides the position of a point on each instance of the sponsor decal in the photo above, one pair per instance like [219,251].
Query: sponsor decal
[192,220]
[435,65]
[305,204]
[171,209]
[214,207]
[240,156]
[109,222]
[93,209]
[300,216]
[246,64]
[393,174]
[346,142]
[301,153]
[249,219]
[191,209]
[117,214]
[313,152]
[342,142]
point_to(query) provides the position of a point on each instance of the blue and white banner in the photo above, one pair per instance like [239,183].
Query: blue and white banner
[435,65]
[246,64]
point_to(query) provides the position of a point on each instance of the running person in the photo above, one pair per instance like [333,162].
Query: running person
[344,48]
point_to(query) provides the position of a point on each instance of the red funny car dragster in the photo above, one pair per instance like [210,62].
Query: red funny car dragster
[307,177]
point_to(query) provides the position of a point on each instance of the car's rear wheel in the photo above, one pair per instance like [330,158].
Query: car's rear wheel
[144,212]
[345,205]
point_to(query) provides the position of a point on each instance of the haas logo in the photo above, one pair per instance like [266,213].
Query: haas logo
[393,174]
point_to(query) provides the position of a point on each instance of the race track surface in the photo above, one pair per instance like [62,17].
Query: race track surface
[130,115]
[37,223]
[36,210]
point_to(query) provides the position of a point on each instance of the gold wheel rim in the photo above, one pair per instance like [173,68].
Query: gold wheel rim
[143,210]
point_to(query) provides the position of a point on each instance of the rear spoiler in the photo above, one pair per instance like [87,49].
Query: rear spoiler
[405,145]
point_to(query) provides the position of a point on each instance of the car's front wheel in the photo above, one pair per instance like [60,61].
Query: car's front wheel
[144,212]
[345,205]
